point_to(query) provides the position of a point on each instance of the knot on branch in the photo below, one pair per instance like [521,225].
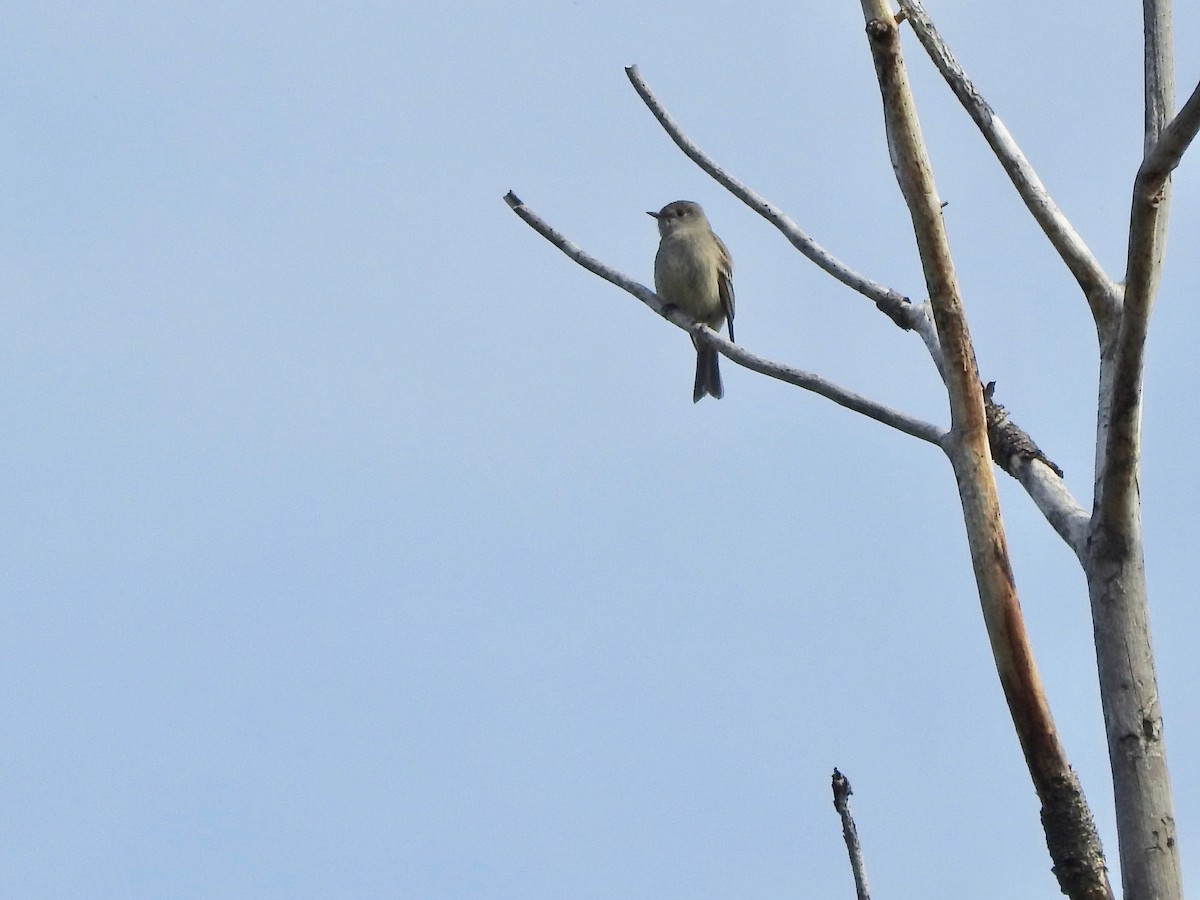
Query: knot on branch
[882,31]
[896,307]
[1007,440]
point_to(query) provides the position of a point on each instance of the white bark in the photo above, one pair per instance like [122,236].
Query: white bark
[1098,288]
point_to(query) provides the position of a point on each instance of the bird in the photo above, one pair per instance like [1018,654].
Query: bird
[693,272]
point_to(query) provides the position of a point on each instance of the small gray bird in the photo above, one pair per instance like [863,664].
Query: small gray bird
[694,272]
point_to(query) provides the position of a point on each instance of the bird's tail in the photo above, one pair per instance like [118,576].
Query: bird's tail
[708,375]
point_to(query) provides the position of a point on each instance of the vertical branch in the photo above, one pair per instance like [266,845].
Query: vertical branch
[1070,833]
[1147,233]
[1115,566]
[1121,404]
[1159,68]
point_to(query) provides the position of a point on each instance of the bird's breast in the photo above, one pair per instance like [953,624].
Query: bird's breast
[687,279]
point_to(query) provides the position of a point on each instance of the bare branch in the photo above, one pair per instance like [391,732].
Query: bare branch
[1101,292]
[1015,452]
[892,303]
[1007,440]
[856,402]
[1070,837]
[1116,563]
[589,262]
[1074,845]
[841,802]
[926,330]
[1117,498]
[1049,493]
[1165,144]
[1054,500]
[810,382]
[906,314]
[1158,69]
[1164,156]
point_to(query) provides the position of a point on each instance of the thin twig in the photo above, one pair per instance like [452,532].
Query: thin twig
[735,352]
[841,802]
[894,304]
[1101,293]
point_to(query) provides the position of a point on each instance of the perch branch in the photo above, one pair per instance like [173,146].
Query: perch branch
[735,352]
[908,315]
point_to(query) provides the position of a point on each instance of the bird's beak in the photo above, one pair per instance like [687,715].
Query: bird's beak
[654,215]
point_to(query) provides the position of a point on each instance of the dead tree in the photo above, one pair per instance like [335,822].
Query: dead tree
[1108,540]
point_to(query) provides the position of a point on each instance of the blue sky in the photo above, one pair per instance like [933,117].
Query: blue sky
[358,544]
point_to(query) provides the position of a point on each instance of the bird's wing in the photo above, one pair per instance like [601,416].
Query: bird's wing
[725,283]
